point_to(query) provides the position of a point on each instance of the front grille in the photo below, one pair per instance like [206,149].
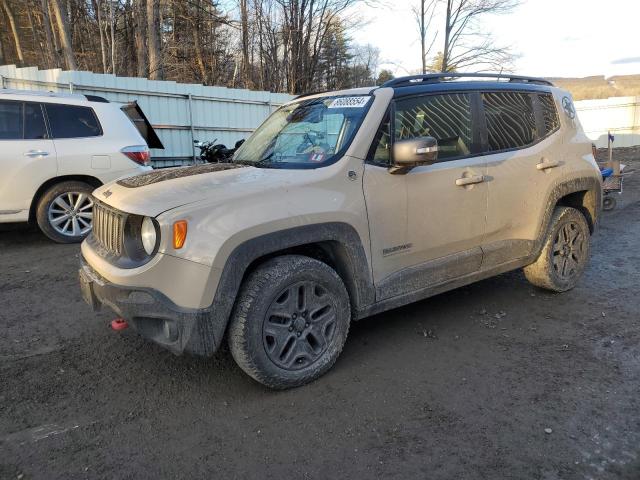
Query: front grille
[108,227]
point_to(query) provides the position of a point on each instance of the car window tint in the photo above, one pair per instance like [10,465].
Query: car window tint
[10,120]
[70,121]
[447,118]
[549,113]
[511,122]
[381,147]
[34,126]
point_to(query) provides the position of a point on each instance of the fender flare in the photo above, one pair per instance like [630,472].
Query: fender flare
[350,262]
[591,202]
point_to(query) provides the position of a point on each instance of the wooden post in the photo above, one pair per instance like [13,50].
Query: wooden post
[615,165]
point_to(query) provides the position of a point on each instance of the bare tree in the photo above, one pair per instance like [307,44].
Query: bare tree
[112,34]
[63,31]
[52,23]
[197,22]
[14,31]
[244,25]
[465,45]
[97,6]
[2,55]
[424,16]
[278,45]
[52,54]
[156,70]
[139,34]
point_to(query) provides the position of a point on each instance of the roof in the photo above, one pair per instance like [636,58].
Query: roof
[56,95]
[463,86]
[443,76]
[442,82]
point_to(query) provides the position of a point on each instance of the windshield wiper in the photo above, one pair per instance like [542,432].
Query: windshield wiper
[266,160]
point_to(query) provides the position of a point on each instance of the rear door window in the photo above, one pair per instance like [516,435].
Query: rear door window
[511,122]
[34,126]
[445,117]
[11,127]
[72,121]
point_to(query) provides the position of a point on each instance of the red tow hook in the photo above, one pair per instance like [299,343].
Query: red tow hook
[119,324]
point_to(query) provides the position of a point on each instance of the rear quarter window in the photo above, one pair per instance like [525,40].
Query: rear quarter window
[72,121]
[549,113]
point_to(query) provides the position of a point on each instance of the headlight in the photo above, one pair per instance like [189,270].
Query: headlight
[148,234]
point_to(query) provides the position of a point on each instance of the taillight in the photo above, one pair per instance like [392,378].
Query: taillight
[139,154]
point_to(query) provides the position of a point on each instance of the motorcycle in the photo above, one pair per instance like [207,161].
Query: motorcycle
[212,152]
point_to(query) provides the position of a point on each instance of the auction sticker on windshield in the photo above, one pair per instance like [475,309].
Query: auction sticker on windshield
[349,102]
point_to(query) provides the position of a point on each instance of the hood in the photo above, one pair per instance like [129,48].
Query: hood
[155,192]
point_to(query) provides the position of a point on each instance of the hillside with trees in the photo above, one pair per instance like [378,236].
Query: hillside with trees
[600,87]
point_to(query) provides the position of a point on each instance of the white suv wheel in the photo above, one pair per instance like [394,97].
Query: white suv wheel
[65,211]
[70,213]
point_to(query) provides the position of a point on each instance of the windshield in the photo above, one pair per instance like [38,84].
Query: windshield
[305,134]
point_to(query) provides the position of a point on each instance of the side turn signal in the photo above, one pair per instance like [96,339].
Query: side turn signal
[179,233]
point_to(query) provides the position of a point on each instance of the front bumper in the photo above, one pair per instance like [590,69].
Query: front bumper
[154,316]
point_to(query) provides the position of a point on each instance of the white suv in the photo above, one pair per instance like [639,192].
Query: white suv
[55,149]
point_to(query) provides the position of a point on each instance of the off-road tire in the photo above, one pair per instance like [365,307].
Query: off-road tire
[251,321]
[565,252]
[42,209]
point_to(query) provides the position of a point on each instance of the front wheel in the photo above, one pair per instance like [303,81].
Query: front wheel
[565,252]
[290,321]
[65,211]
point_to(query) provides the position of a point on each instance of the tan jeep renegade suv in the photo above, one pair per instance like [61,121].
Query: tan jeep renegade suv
[342,205]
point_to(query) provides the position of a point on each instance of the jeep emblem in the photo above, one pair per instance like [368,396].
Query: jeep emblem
[568,107]
[107,193]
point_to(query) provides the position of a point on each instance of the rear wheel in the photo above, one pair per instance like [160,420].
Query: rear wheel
[290,321]
[65,211]
[565,253]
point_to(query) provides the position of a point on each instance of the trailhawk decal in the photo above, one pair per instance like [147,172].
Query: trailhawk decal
[397,249]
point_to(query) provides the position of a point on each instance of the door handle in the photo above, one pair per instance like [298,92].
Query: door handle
[36,153]
[547,164]
[461,182]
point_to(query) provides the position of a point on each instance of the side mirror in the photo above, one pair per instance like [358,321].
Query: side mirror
[415,151]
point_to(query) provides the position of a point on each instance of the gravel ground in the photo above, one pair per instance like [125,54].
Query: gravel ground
[492,381]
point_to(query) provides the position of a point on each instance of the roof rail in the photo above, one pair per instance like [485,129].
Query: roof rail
[438,77]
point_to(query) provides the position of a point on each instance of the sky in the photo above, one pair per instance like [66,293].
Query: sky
[553,38]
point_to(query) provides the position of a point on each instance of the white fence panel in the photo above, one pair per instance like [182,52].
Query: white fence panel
[179,112]
[618,115]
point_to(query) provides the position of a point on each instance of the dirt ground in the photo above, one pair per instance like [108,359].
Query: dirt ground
[498,380]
